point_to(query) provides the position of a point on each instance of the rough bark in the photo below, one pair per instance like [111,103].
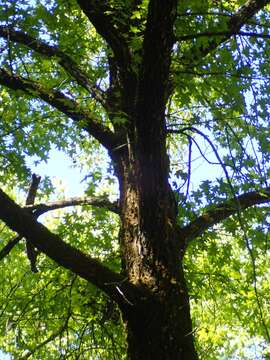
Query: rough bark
[158,325]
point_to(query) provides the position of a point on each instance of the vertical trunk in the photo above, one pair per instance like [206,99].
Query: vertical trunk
[158,325]
[158,322]
[159,328]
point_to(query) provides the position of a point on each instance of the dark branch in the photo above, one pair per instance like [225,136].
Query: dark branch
[9,246]
[101,202]
[154,72]
[234,24]
[157,47]
[223,211]
[19,220]
[206,138]
[30,199]
[110,24]
[223,34]
[40,209]
[244,13]
[53,52]
[64,104]
[221,74]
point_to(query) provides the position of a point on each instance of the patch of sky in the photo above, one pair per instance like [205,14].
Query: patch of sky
[255,349]
[4,356]
[61,171]
[73,176]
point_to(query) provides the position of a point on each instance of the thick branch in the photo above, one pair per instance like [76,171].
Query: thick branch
[234,24]
[53,52]
[150,139]
[157,46]
[222,34]
[109,24]
[244,13]
[64,104]
[222,211]
[40,209]
[102,202]
[64,254]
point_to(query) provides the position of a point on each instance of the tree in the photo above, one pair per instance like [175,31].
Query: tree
[146,81]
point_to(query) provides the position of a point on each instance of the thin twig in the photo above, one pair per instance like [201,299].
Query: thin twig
[102,202]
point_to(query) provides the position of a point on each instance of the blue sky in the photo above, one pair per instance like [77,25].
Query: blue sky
[60,168]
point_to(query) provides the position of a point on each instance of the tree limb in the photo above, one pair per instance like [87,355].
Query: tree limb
[222,211]
[32,191]
[53,52]
[222,34]
[154,72]
[62,103]
[40,209]
[157,47]
[234,24]
[114,284]
[110,24]
[30,199]
[221,74]
[9,246]
[102,202]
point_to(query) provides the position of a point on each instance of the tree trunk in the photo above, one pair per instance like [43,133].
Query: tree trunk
[160,327]
[158,324]
[157,321]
